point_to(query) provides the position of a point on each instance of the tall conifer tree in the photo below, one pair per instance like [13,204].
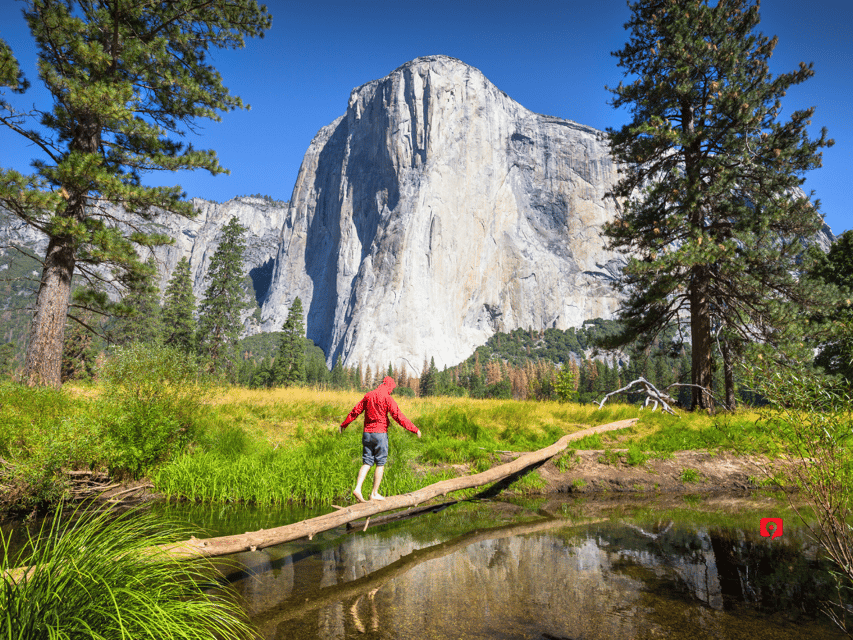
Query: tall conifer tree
[289,366]
[835,350]
[179,309]
[224,299]
[709,201]
[126,79]
[141,315]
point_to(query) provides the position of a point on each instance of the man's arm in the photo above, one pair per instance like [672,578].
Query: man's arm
[356,411]
[400,419]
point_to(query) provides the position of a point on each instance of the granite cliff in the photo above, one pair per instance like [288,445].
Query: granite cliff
[437,211]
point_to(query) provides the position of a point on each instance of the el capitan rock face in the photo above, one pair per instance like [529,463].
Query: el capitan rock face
[438,211]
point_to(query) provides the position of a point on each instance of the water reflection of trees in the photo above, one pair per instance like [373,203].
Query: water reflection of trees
[729,569]
[664,577]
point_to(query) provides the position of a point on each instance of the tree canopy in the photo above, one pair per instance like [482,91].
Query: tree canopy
[127,79]
[835,351]
[710,206]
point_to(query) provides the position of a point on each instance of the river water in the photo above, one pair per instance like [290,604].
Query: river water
[554,569]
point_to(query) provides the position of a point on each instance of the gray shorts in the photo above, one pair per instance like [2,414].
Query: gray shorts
[375,448]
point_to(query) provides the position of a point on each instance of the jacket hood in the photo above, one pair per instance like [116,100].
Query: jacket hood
[388,384]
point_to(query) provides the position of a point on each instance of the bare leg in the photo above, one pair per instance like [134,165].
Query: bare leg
[377,478]
[362,474]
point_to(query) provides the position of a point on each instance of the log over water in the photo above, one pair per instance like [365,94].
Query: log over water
[252,541]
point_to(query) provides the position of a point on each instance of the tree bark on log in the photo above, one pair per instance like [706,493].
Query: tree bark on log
[252,541]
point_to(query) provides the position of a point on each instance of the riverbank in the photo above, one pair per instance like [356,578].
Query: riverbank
[594,472]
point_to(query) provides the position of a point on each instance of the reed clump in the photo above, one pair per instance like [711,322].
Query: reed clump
[92,576]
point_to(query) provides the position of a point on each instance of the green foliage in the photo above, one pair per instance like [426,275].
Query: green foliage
[141,316]
[119,104]
[811,418]
[428,385]
[93,576]
[835,268]
[179,309]
[499,390]
[404,392]
[79,350]
[565,384]
[289,367]
[219,311]
[7,358]
[712,212]
[689,475]
[153,397]
[636,457]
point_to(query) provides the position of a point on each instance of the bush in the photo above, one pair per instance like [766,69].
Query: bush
[405,392]
[153,398]
[501,390]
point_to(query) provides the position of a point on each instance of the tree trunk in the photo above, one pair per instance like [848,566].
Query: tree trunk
[700,334]
[728,375]
[47,332]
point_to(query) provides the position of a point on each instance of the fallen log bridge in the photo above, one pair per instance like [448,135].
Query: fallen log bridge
[251,541]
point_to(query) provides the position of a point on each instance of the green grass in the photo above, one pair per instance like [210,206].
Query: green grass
[690,475]
[281,445]
[91,578]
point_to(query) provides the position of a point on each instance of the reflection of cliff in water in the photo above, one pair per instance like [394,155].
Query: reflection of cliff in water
[546,579]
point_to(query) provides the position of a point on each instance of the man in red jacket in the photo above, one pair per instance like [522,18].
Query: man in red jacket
[376,404]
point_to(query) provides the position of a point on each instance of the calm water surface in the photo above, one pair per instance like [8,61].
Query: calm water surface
[665,568]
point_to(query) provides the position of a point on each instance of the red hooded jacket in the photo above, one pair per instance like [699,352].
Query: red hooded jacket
[378,404]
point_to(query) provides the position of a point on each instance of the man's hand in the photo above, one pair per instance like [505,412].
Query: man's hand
[341,430]
[419,433]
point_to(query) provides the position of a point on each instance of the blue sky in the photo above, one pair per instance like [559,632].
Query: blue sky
[551,56]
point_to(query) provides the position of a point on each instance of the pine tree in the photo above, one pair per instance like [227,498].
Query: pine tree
[219,312]
[337,377]
[835,348]
[429,379]
[289,366]
[141,316]
[179,309]
[126,80]
[711,209]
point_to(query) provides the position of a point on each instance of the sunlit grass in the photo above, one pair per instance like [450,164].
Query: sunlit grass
[278,446]
[93,577]
[282,446]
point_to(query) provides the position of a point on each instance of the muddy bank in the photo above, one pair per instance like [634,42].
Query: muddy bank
[596,472]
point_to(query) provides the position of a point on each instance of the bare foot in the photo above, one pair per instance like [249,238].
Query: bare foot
[376,496]
[358,496]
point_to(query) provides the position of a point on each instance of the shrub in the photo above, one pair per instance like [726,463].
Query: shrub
[153,397]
